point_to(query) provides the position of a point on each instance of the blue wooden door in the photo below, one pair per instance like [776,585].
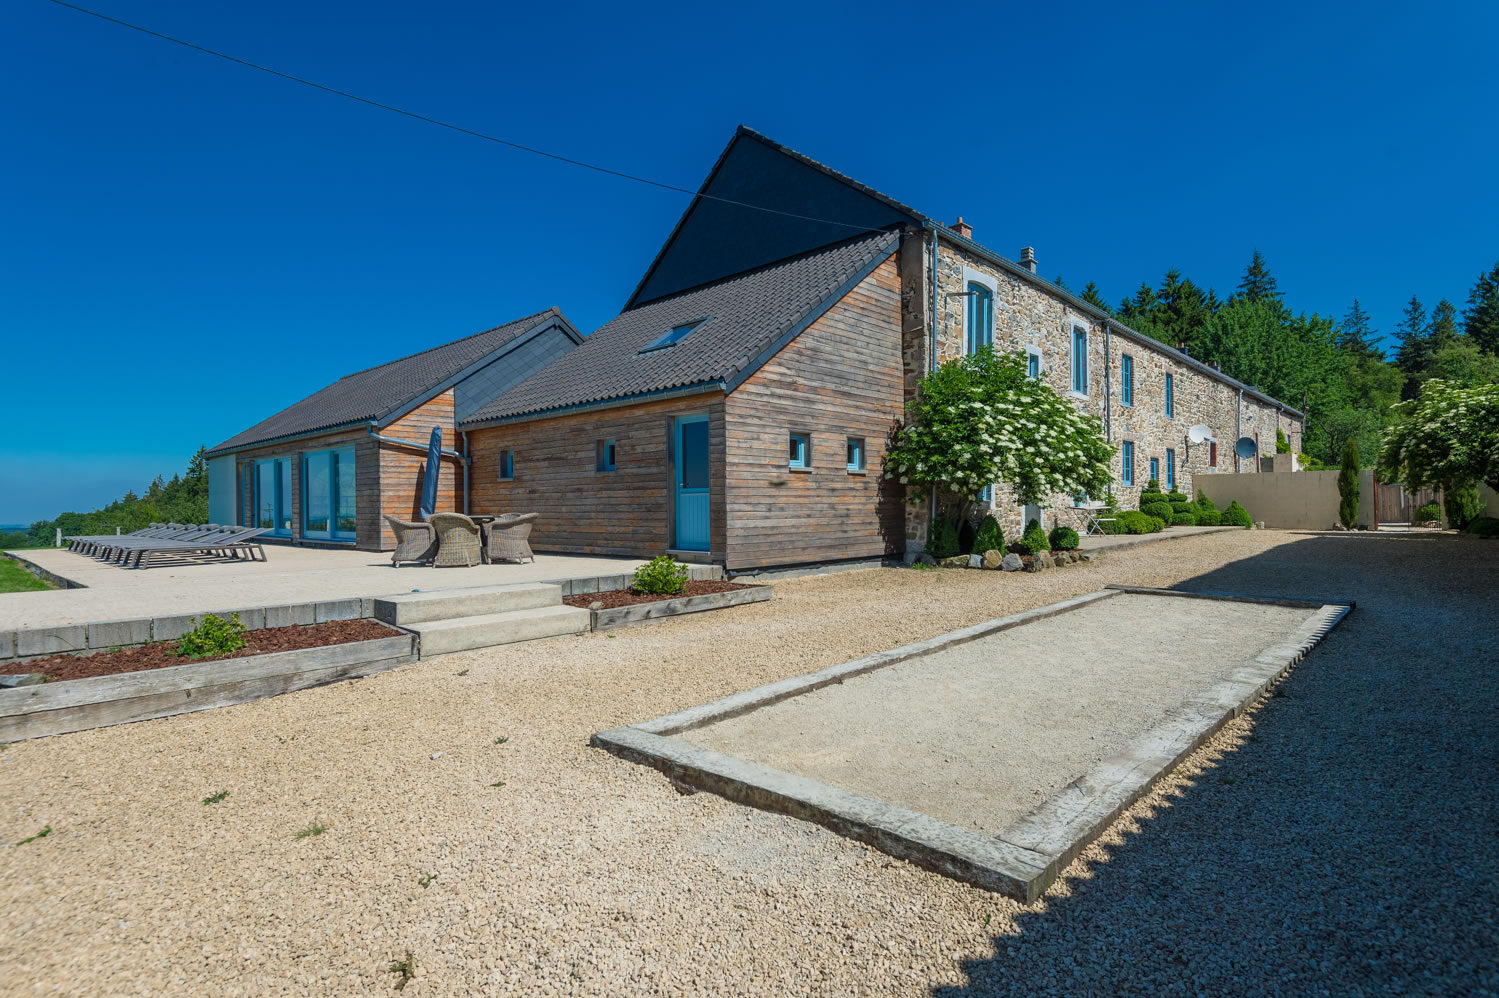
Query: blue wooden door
[691,483]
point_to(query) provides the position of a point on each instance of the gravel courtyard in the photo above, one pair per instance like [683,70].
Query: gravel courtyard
[1337,840]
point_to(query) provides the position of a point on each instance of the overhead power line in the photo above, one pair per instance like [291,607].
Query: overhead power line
[449,125]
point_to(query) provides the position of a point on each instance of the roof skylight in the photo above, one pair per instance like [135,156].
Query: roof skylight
[672,336]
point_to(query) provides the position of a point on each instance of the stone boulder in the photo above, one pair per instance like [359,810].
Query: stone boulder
[1010,563]
[956,561]
[975,561]
[1045,559]
[994,560]
[927,560]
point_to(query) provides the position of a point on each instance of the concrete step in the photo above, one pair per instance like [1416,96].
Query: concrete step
[439,637]
[404,609]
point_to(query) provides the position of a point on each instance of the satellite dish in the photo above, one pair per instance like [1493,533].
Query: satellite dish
[1245,447]
[1199,433]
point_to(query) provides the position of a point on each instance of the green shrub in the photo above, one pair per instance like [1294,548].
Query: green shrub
[1132,521]
[1203,503]
[1236,516]
[1484,526]
[661,576]
[1175,497]
[1348,486]
[1181,507]
[1462,505]
[1161,510]
[944,540]
[214,635]
[1209,518]
[989,537]
[1032,541]
[1184,519]
[1062,539]
[1432,511]
[1154,485]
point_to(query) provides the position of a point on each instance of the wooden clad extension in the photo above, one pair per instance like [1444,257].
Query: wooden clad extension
[627,511]
[841,378]
[402,470]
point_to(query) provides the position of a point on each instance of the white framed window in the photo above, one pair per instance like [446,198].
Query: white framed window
[1033,361]
[979,291]
[1077,335]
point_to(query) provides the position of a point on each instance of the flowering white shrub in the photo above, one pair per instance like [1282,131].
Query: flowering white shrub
[979,419]
[1447,438]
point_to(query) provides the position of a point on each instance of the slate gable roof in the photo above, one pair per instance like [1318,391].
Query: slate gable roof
[747,318]
[376,392]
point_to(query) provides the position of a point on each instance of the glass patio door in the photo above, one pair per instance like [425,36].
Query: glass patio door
[272,501]
[328,495]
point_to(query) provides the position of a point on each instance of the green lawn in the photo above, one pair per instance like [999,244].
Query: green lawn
[15,579]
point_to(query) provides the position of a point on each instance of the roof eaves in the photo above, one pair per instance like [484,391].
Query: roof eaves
[318,431]
[1114,323]
[695,388]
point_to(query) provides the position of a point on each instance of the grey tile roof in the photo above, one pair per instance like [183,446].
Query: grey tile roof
[377,391]
[746,314]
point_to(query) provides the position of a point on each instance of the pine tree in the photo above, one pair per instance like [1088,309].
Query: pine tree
[1443,329]
[1414,355]
[1481,317]
[1258,284]
[1092,297]
[1356,335]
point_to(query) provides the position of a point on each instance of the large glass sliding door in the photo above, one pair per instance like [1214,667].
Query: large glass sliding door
[328,496]
[272,495]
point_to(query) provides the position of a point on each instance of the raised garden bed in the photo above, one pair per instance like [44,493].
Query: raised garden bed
[139,685]
[162,654]
[622,607]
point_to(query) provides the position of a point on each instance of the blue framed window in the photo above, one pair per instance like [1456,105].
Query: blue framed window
[855,453]
[328,495]
[1080,360]
[507,465]
[986,495]
[604,456]
[1127,380]
[980,317]
[1127,461]
[1170,468]
[672,336]
[271,499]
[1033,362]
[1155,470]
[801,451]
[1170,397]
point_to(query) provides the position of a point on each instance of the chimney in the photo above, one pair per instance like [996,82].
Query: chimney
[1028,258]
[962,228]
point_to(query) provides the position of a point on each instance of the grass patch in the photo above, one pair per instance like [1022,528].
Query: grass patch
[463,673]
[426,879]
[15,579]
[406,968]
[921,566]
[316,828]
[502,739]
[215,798]
[497,784]
[46,831]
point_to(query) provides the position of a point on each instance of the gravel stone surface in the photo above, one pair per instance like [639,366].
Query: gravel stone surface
[1352,853]
[981,734]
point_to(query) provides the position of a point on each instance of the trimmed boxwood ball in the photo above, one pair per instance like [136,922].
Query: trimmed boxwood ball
[1160,510]
[1209,518]
[1236,516]
[1177,497]
[1032,541]
[1484,526]
[1063,539]
[1184,519]
[1132,521]
[989,537]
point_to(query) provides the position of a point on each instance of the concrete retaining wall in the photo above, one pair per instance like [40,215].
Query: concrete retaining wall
[1303,500]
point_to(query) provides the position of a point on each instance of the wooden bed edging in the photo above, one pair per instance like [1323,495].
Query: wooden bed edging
[100,701]
[639,613]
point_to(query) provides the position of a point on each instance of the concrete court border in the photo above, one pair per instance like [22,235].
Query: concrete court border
[1027,857]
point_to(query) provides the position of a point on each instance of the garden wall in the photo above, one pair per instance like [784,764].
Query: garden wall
[1303,500]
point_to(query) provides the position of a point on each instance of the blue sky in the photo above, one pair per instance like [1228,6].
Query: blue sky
[190,245]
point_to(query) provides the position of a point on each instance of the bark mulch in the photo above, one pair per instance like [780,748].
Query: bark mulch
[159,654]
[624,597]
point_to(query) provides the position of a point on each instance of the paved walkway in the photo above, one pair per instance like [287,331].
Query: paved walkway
[290,575]
[1108,542]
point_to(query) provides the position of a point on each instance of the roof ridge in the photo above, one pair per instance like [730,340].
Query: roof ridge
[449,343]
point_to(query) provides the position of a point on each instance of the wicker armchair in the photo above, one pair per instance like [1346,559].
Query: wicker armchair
[457,540]
[505,537]
[415,542]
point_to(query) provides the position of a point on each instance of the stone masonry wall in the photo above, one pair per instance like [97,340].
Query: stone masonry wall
[1026,316]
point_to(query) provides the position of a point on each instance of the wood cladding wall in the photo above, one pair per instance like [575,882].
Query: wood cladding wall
[402,471]
[841,378]
[627,511]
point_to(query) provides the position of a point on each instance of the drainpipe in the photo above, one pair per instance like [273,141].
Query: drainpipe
[467,460]
[422,448]
[1238,433]
[1108,376]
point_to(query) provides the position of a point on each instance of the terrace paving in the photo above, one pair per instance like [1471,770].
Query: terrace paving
[289,575]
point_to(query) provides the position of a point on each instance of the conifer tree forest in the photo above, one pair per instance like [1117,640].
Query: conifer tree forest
[1331,366]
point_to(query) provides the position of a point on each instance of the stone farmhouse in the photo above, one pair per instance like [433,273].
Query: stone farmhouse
[739,407]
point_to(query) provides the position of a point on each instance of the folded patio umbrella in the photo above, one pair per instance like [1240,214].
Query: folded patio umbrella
[434,467]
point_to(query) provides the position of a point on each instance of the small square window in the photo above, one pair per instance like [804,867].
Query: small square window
[604,456]
[801,451]
[672,336]
[986,496]
[1033,362]
[507,464]
[855,454]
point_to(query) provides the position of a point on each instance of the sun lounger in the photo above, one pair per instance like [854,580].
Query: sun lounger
[116,548]
[231,542]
